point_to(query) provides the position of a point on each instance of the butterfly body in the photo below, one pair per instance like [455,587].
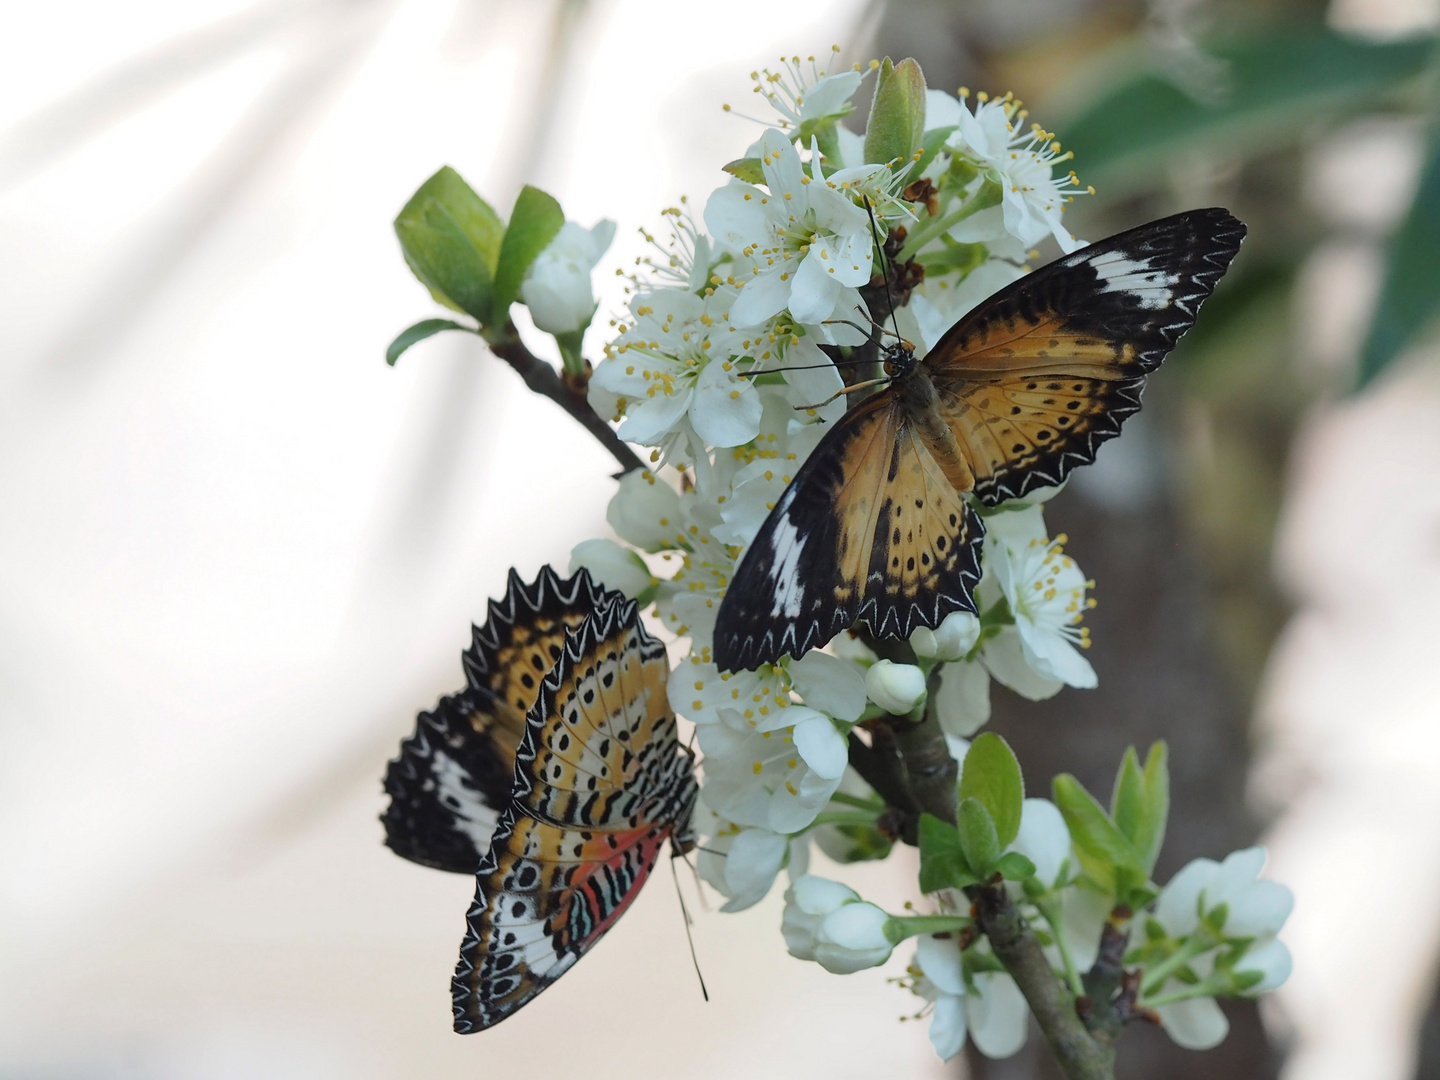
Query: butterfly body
[878,525]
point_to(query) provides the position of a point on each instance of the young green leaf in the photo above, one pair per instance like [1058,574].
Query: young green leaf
[897,113]
[747,169]
[1105,853]
[992,776]
[419,332]
[451,240]
[536,219]
[942,860]
[1141,802]
[977,837]
[1015,867]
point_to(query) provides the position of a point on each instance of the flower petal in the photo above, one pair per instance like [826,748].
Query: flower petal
[829,684]
[823,748]
[814,292]
[762,296]
[1043,839]
[754,859]
[999,1017]
[1004,658]
[611,565]
[947,1026]
[1178,909]
[939,959]
[963,701]
[1195,1024]
[725,410]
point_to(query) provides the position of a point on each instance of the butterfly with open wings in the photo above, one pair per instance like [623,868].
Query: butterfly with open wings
[555,777]
[878,527]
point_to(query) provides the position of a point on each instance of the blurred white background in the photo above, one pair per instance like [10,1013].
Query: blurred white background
[237,552]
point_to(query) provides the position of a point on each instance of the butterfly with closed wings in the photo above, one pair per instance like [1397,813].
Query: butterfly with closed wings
[877,527]
[567,703]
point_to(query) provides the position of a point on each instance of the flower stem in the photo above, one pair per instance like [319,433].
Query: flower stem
[989,195]
[1156,974]
[904,765]
[1054,920]
[568,393]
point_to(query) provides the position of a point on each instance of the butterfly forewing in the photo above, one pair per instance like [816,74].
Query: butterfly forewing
[1039,375]
[600,782]
[868,529]
[455,773]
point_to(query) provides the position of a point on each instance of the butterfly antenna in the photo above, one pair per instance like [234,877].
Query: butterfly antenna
[884,267]
[684,911]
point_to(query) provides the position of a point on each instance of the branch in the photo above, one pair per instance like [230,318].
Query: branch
[909,765]
[544,379]
[1080,1054]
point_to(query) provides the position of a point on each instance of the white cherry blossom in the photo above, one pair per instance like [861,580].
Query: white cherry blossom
[827,922]
[801,245]
[680,359]
[1021,161]
[556,287]
[1046,594]
[988,1007]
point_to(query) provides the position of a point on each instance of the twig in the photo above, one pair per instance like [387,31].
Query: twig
[909,766]
[1080,1054]
[544,379]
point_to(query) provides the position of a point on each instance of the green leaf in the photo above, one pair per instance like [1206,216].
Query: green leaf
[1141,802]
[536,219]
[1410,296]
[992,776]
[419,332]
[1106,855]
[747,169]
[451,241]
[942,859]
[1257,90]
[978,837]
[897,113]
[1015,867]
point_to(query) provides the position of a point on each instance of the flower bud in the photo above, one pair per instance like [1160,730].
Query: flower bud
[896,688]
[827,922]
[1270,961]
[951,640]
[645,511]
[556,288]
[852,938]
[613,566]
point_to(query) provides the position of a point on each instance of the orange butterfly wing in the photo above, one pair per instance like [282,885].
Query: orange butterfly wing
[455,772]
[1036,378]
[600,782]
[870,529]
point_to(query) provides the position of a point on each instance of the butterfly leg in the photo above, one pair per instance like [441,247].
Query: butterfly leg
[841,393]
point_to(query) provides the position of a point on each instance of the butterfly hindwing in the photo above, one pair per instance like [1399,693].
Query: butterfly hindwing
[1039,375]
[454,774]
[600,782]
[868,530]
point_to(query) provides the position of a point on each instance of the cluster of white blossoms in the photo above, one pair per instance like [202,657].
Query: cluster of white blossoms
[719,367]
